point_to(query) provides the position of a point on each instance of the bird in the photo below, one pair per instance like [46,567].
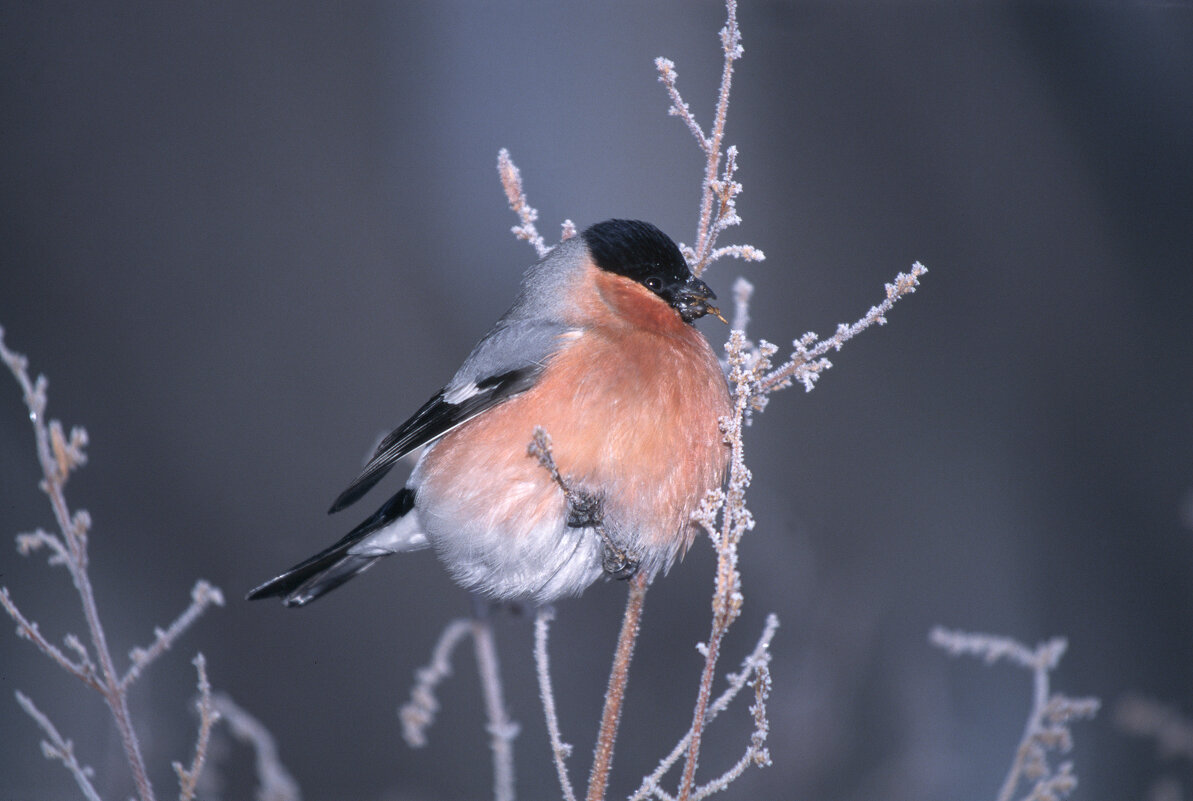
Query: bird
[600,352]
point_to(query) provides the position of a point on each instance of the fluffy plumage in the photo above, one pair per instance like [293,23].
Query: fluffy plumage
[598,349]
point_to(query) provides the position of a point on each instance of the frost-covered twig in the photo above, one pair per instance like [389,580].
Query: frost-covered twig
[1145,717]
[619,678]
[511,181]
[724,514]
[58,747]
[418,713]
[83,669]
[743,291]
[1051,713]
[59,456]
[755,671]
[274,782]
[1171,732]
[807,361]
[560,750]
[719,190]
[203,595]
[735,521]
[616,562]
[502,730]
[188,777]
[756,752]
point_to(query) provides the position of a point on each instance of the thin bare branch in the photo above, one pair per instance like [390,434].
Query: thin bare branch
[59,455]
[511,181]
[274,782]
[719,189]
[84,669]
[807,362]
[188,778]
[59,748]
[203,595]
[502,730]
[73,529]
[560,750]
[68,453]
[753,667]
[1047,727]
[743,291]
[418,714]
[34,392]
[619,677]
[722,513]
[679,108]
[743,252]
[35,541]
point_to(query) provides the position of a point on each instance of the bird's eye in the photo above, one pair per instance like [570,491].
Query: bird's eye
[654,283]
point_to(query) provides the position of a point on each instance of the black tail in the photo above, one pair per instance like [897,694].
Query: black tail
[331,567]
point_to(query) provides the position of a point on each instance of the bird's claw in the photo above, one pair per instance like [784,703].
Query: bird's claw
[618,564]
[585,509]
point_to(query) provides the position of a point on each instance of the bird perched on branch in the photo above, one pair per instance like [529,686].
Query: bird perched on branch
[600,352]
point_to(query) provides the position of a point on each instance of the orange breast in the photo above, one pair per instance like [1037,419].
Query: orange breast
[632,410]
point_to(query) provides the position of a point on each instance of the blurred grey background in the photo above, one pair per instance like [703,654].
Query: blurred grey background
[244,240]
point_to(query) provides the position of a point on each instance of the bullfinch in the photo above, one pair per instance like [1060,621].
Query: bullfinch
[600,351]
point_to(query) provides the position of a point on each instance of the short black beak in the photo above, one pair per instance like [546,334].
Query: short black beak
[691,301]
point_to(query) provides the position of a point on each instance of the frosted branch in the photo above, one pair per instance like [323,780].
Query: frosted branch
[560,750]
[991,648]
[723,514]
[55,470]
[754,671]
[203,595]
[1047,728]
[511,182]
[59,455]
[274,782]
[743,252]
[619,677]
[756,753]
[719,189]
[27,544]
[188,778]
[743,291]
[679,108]
[418,714]
[83,669]
[502,730]
[59,748]
[807,361]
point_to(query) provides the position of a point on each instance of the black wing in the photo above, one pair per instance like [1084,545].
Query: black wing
[332,566]
[436,417]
